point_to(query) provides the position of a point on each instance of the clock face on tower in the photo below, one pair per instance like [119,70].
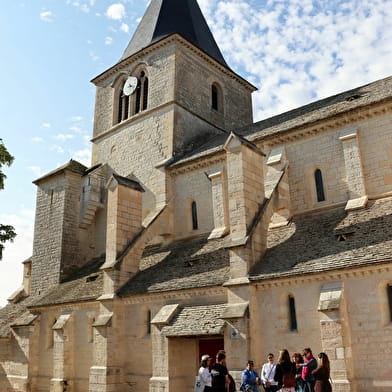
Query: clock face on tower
[130,85]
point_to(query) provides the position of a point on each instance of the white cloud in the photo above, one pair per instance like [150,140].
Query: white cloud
[57,149]
[37,139]
[116,11]
[93,56]
[108,40]
[76,118]
[124,27]
[11,268]
[83,156]
[36,170]
[85,8]
[63,137]
[74,128]
[300,51]
[46,125]
[46,16]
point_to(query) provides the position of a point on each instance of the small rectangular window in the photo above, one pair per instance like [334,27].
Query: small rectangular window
[293,315]
[389,290]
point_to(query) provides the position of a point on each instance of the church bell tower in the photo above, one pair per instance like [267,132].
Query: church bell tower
[171,91]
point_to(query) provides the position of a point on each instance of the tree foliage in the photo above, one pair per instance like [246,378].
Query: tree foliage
[7,232]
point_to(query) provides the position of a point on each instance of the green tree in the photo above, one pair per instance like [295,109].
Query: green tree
[7,232]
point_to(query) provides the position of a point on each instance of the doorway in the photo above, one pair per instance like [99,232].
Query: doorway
[211,347]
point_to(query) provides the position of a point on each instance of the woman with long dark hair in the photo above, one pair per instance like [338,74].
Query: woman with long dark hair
[285,372]
[322,374]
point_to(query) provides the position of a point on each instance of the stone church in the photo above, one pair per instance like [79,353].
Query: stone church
[196,229]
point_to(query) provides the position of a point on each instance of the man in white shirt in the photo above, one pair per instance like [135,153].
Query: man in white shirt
[268,374]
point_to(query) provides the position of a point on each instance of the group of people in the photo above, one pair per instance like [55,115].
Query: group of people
[300,373]
[215,378]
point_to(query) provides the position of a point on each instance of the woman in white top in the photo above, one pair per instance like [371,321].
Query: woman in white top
[204,372]
[268,374]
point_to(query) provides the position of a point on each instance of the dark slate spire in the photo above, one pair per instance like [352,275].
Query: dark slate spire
[166,17]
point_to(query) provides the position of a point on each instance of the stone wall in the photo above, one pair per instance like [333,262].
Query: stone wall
[353,335]
[324,151]
[193,91]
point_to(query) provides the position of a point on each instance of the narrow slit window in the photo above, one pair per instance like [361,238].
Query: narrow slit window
[292,314]
[389,293]
[318,178]
[145,94]
[214,97]
[195,224]
[137,103]
[126,106]
[120,109]
[123,106]
[148,322]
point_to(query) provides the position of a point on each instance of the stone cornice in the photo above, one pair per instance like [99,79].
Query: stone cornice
[171,295]
[296,132]
[174,38]
[204,161]
[146,113]
[328,123]
[66,306]
[325,276]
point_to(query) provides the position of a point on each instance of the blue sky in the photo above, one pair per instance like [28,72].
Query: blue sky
[294,51]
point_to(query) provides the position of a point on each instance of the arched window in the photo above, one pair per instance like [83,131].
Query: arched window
[141,95]
[145,94]
[214,97]
[123,106]
[318,178]
[292,314]
[195,224]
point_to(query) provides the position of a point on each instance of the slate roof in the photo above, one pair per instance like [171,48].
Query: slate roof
[180,265]
[85,285]
[369,94]
[197,320]
[71,165]
[10,313]
[166,17]
[329,240]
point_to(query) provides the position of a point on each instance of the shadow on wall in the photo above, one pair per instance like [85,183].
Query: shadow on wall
[5,385]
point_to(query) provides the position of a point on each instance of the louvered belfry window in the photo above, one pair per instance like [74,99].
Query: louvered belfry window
[141,96]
